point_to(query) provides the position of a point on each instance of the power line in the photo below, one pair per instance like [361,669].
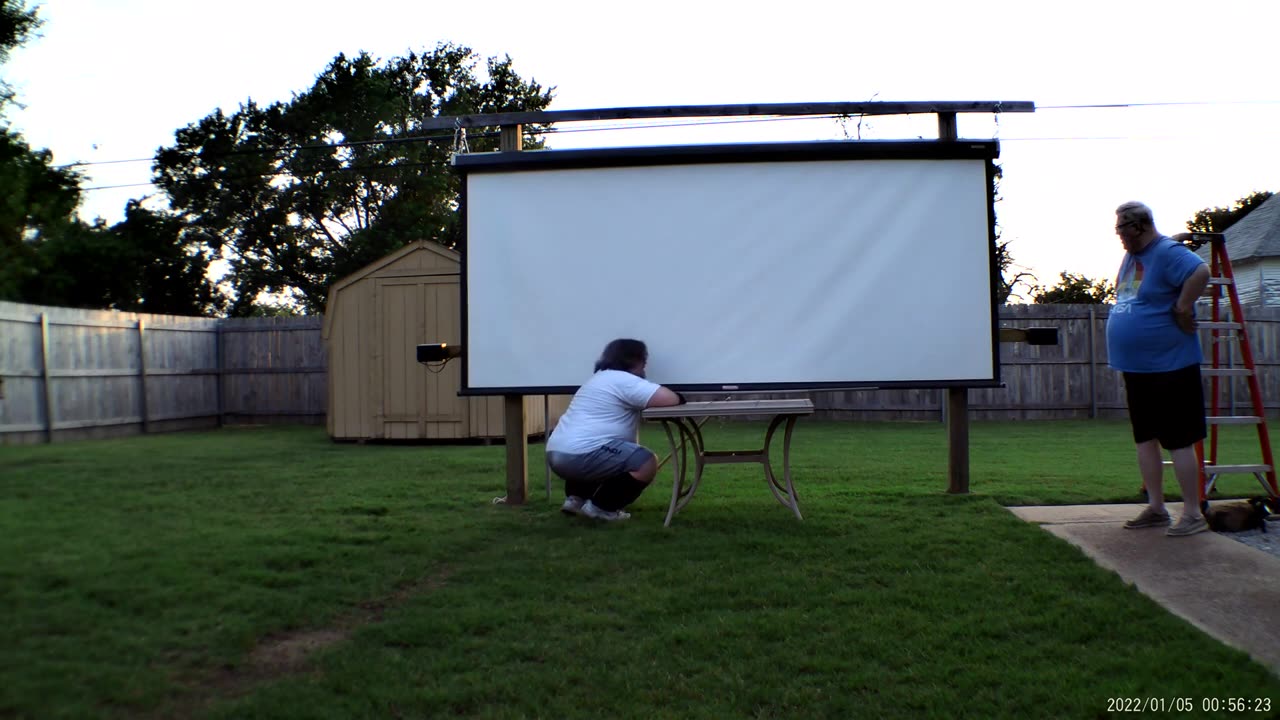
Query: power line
[285,148]
[113,187]
[1202,103]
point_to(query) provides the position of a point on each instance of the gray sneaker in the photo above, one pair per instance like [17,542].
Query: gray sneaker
[595,513]
[1188,526]
[1148,518]
[572,505]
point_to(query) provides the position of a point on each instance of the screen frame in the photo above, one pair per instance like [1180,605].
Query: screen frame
[539,160]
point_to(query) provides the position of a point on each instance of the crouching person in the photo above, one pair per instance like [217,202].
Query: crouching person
[593,447]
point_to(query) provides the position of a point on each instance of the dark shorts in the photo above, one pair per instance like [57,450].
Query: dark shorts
[613,458]
[1167,406]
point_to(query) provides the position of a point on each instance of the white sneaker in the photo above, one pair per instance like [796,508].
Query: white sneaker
[572,505]
[590,510]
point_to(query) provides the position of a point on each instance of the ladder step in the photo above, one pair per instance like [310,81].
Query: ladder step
[1227,469]
[1205,325]
[1233,420]
[1226,372]
[1221,281]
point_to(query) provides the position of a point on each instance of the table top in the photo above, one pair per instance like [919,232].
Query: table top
[799,406]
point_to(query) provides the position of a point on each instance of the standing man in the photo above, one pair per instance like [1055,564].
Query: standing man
[1151,338]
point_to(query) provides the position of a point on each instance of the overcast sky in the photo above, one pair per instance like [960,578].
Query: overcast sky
[111,80]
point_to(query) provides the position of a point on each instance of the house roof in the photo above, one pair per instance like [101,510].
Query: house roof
[1256,236]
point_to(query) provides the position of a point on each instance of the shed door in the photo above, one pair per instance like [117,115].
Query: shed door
[419,401]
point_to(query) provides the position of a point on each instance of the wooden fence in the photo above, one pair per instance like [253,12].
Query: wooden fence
[70,374]
[80,373]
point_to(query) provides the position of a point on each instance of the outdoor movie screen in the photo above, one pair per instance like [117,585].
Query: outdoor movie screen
[742,267]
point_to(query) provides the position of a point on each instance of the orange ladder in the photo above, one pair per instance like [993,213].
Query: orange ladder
[1227,324]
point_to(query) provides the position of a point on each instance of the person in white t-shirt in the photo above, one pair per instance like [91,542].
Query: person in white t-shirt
[593,447]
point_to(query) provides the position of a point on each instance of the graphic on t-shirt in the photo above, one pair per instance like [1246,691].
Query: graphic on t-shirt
[1129,282]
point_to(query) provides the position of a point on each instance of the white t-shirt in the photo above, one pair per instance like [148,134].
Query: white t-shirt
[607,407]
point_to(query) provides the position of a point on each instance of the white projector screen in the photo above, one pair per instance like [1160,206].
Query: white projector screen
[762,267]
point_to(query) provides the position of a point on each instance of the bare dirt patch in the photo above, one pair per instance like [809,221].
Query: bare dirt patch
[285,654]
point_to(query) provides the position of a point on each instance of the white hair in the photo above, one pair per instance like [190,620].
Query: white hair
[1135,211]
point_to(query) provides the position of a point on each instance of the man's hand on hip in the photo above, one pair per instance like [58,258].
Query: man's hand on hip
[1186,319]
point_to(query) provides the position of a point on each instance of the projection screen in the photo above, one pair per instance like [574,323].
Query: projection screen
[743,267]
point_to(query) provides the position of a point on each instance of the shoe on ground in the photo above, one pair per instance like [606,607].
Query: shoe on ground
[596,513]
[1148,518]
[1188,526]
[572,505]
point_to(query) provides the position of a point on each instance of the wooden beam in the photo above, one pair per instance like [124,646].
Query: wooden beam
[517,437]
[546,117]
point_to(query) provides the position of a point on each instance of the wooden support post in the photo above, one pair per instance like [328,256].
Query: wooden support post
[517,449]
[511,139]
[957,398]
[947,126]
[142,373]
[517,438]
[958,440]
[44,377]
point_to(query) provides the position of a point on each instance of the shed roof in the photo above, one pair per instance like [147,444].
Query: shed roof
[376,265]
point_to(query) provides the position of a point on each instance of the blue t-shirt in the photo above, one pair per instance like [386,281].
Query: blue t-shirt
[1142,336]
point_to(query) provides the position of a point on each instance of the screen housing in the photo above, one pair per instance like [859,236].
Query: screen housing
[564,250]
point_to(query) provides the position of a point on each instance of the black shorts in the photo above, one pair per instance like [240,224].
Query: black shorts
[1167,406]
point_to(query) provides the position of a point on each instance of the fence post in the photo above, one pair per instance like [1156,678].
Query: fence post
[1093,363]
[217,369]
[142,374]
[44,377]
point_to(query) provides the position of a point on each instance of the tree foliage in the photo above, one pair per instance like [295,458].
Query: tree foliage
[141,264]
[1075,289]
[1218,219]
[17,24]
[296,195]
[37,200]
[1011,274]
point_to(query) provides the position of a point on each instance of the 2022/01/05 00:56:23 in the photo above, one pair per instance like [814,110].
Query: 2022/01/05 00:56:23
[1189,704]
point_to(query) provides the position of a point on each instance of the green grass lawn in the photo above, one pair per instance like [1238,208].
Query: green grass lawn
[270,573]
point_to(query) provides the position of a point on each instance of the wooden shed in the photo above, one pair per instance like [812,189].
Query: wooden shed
[373,322]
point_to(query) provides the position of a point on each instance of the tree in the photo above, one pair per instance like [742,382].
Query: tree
[1011,274]
[1075,289]
[17,23]
[144,263]
[37,201]
[1218,219]
[296,195]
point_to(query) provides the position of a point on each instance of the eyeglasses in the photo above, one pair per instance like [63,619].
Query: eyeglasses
[1124,225]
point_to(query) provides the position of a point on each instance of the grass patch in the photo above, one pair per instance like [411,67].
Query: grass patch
[271,573]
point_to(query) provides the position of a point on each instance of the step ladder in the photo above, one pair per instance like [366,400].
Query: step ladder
[1226,326]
